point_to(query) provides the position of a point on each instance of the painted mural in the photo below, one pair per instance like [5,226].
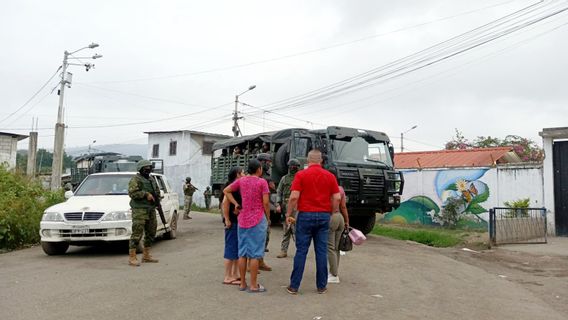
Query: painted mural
[463,186]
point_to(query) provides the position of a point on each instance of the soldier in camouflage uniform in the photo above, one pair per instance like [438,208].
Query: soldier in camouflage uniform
[188,191]
[142,189]
[266,160]
[282,196]
[207,196]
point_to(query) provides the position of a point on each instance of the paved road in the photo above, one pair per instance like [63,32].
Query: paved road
[383,279]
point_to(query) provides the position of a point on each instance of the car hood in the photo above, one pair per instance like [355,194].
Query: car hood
[93,203]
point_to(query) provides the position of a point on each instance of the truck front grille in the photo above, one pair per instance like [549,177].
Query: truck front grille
[83,216]
[373,185]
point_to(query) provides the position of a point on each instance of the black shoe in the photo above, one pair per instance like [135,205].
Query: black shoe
[291,290]
[322,290]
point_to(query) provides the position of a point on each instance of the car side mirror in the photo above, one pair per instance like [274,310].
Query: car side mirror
[391,151]
[161,193]
[68,194]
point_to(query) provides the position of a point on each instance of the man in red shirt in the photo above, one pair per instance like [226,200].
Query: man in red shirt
[315,194]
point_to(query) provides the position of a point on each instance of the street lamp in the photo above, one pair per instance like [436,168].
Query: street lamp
[236,129]
[57,165]
[402,137]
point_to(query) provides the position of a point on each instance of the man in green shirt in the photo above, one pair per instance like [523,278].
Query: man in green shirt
[188,191]
[282,197]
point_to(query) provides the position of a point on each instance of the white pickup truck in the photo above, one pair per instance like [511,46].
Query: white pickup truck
[99,211]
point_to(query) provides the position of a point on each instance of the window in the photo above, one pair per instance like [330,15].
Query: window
[173,148]
[156,151]
[301,147]
[207,147]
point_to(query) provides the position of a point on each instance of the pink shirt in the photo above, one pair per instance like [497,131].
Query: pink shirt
[252,188]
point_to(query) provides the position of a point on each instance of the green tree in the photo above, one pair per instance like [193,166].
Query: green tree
[525,148]
[44,159]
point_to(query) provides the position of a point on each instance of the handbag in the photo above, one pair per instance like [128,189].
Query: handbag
[356,236]
[345,243]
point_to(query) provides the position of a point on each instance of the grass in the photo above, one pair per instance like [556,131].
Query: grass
[434,237]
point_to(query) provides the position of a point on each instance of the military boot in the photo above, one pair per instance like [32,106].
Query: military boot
[263,266]
[132,261]
[147,257]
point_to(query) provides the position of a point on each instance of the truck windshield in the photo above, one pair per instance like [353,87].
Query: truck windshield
[98,185]
[359,150]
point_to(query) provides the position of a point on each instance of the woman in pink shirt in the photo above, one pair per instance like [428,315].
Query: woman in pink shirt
[253,219]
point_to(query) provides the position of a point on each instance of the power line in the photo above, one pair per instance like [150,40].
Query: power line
[293,55]
[33,96]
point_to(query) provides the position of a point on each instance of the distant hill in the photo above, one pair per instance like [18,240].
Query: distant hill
[126,149]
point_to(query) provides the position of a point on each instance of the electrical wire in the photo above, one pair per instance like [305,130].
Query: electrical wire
[33,96]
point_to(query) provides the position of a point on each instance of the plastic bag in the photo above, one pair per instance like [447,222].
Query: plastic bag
[356,236]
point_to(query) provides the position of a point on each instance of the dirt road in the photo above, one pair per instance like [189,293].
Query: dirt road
[383,279]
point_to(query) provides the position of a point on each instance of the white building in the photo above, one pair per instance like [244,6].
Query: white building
[185,153]
[8,148]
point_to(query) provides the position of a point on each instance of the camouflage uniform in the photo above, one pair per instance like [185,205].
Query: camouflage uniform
[207,196]
[143,211]
[188,191]
[282,197]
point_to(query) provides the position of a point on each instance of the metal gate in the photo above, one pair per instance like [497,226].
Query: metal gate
[560,165]
[511,225]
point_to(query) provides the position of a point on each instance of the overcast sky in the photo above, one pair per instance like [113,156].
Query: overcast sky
[183,62]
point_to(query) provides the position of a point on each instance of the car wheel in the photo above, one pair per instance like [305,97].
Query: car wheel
[172,234]
[54,248]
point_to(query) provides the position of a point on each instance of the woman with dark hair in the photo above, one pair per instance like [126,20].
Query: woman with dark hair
[338,222]
[253,220]
[231,254]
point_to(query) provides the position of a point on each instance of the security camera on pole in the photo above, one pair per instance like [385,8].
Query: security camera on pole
[57,165]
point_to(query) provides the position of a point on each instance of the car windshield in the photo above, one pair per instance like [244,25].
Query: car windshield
[359,150]
[98,185]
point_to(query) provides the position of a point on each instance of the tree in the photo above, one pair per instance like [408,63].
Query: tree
[44,160]
[525,148]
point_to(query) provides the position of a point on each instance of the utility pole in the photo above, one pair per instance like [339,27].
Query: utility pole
[32,153]
[236,129]
[57,165]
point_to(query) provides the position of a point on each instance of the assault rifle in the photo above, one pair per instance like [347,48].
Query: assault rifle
[160,210]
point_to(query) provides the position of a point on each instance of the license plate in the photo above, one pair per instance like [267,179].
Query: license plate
[80,230]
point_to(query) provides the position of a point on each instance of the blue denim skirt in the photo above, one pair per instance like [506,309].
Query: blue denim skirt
[251,240]
[231,242]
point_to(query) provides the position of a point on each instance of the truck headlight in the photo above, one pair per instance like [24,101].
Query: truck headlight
[52,216]
[118,216]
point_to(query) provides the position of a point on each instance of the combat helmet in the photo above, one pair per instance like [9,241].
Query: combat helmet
[142,163]
[264,157]
[294,162]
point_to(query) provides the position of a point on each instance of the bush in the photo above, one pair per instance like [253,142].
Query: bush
[518,208]
[451,211]
[22,202]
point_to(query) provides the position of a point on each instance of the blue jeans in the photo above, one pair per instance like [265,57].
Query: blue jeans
[311,225]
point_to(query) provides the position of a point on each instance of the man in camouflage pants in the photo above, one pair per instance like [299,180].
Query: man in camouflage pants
[142,189]
[188,191]
[265,160]
[282,197]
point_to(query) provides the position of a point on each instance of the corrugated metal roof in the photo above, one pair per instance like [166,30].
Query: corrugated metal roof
[482,157]
[14,135]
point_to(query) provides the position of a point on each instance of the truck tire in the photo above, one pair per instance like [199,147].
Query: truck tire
[281,159]
[364,224]
[54,248]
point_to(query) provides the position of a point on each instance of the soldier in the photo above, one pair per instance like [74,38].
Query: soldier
[207,196]
[282,197]
[188,190]
[266,160]
[142,190]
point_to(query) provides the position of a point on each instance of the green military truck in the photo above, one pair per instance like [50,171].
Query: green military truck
[107,162]
[363,160]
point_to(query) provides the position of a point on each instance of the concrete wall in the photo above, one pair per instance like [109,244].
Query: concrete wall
[427,190]
[189,161]
[8,148]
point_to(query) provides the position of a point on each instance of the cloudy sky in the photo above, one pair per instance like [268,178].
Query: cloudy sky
[170,65]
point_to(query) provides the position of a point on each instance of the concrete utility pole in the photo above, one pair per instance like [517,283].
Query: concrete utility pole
[57,165]
[236,129]
[32,155]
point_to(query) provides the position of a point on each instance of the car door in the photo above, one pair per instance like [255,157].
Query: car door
[165,201]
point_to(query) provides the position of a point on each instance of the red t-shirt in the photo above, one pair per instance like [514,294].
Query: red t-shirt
[316,186]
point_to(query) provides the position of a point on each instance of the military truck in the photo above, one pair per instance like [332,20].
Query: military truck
[363,160]
[106,162]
